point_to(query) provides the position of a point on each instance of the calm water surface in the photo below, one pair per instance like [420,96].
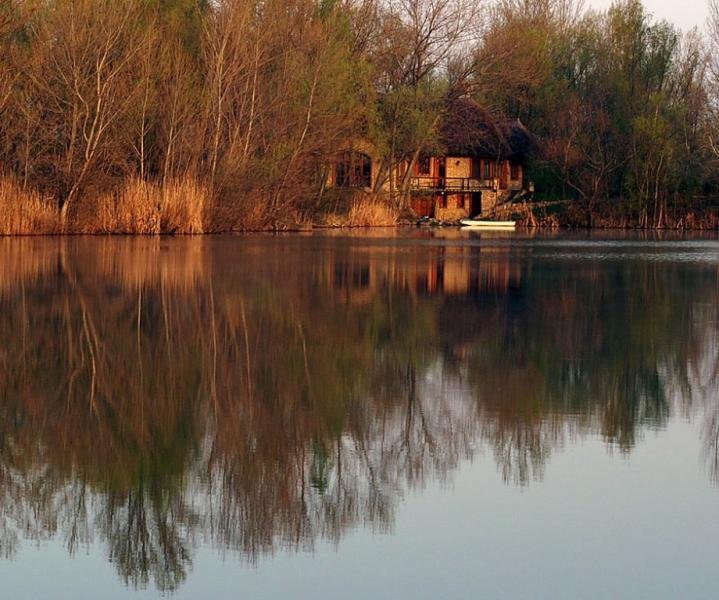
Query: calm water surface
[393,415]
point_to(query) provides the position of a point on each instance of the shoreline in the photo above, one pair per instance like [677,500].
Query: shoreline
[418,226]
[184,207]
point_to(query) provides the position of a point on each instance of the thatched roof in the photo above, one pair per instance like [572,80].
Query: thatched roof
[470,130]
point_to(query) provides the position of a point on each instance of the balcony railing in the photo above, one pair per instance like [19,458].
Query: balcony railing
[450,184]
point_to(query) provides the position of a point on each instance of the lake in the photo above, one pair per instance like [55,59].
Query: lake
[394,414]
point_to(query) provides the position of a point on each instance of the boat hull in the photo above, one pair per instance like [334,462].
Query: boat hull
[479,224]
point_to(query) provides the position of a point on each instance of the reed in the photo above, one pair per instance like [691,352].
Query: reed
[371,212]
[26,212]
[364,211]
[184,204]
[139,207]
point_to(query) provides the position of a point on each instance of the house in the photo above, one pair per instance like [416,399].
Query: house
[483,165]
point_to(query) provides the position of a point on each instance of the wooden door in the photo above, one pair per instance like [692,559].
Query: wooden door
[422,205]
[504,175]
[475,206]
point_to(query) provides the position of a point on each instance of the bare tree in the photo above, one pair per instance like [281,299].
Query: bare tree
[84,76]
[713,116]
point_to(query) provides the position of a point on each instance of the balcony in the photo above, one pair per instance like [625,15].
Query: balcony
[449,185]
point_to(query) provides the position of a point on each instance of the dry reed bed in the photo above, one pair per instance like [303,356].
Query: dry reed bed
[364,211]
[140,207]
[137,207]
[26,212]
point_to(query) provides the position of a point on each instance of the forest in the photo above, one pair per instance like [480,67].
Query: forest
[191,116]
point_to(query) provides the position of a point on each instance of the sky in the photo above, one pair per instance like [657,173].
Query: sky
[683,13]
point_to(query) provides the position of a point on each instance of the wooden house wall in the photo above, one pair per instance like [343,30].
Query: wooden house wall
[459,166]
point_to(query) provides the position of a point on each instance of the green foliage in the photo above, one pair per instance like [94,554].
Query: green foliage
[616,98]
[408,117]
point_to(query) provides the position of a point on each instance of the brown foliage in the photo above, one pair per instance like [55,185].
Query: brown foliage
[364,211]
[24,212]
[245,99]
[145,208]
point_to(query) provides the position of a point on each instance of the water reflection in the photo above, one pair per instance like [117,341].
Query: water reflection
[259,394]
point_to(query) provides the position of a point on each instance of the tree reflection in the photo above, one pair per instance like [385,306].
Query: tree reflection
[263,394]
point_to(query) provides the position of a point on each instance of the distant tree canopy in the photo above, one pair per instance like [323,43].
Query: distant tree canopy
[250,98]
[620,101]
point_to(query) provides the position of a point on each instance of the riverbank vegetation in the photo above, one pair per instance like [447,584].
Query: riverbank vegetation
[192,116]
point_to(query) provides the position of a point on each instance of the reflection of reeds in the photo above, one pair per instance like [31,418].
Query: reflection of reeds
[176,264]
[25,261]
[147,208]
[25,212]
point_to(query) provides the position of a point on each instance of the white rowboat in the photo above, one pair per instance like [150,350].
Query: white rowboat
[488,224]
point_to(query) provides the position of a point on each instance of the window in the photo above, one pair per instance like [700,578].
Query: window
[424,165]
[514,171]
[353,170]
[487,170]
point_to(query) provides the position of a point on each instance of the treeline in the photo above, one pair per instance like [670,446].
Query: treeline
[243,99]
[625,105]
[198,115]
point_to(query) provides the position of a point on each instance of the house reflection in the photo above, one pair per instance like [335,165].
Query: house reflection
[447,271]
